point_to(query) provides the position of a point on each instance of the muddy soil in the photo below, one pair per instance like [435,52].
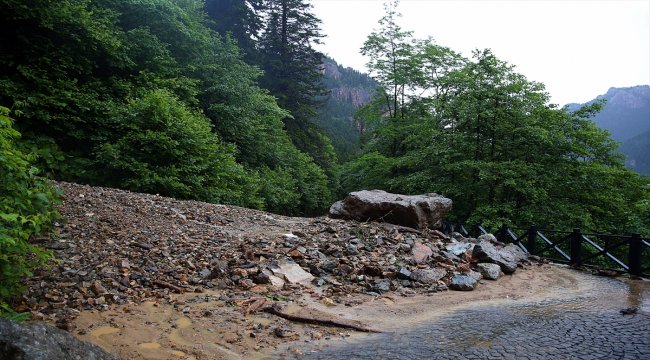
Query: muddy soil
[200,326]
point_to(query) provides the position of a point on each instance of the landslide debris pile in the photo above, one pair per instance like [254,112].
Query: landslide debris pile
[116,247]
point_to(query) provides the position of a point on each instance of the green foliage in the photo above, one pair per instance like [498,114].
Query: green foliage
[159,145]
[26,211]
[142,94]
[485,136]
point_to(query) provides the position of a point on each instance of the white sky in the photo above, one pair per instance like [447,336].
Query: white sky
[577,48]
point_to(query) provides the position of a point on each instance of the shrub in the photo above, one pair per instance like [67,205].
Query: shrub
[26,211]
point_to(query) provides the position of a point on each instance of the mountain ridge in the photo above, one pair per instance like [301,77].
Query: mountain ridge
[626,115]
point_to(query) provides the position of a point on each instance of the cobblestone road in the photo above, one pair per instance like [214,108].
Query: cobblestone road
[589,326]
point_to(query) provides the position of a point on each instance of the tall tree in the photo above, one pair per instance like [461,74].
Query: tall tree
[239,18]
[484,135]
[292,73]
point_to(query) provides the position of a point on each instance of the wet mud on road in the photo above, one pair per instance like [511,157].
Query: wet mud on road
[583,321]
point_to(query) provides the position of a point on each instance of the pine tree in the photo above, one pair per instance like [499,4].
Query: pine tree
[239,19]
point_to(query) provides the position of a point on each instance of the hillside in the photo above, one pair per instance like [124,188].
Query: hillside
[347,90]
[627,117]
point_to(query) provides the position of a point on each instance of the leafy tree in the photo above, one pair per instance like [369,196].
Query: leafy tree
[159,145]
[485,136]
[113,92]
[390,50]
[26,211]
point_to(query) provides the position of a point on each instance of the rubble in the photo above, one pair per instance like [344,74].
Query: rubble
[137,247]
[506,257]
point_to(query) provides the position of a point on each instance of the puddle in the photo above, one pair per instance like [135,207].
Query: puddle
[150,346]
[104,330]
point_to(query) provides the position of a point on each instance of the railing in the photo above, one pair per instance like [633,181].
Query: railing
[622,253]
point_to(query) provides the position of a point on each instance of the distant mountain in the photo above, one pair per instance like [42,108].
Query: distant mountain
[627,117]
[347,90]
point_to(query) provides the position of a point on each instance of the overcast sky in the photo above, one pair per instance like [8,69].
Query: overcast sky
[577,48]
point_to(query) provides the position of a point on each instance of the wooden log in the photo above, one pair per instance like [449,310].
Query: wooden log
[167,285]
[314,321]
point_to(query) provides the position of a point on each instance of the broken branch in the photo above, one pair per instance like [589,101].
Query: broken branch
[307,320]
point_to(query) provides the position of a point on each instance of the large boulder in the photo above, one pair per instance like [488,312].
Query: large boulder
[416,211]
[506,257]
[38,341]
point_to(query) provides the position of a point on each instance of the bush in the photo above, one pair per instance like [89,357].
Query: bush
[26,211]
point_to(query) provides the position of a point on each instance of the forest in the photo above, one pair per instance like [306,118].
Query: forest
[224,101]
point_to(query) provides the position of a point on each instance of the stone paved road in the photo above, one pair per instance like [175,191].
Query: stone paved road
[588,326]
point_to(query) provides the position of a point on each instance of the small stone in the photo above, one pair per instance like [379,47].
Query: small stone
[381,285]
[428,276]
[463,283]
[487,237]
[404,274]
[421,252]
[352,250]
[489,271]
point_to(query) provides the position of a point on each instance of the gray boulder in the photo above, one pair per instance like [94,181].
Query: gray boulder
[459,248]
[428,276]
[506,257]
[416,211]
[37,341]
[489,271]
[463,283]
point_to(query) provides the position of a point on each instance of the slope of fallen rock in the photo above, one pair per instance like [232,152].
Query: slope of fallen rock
[118,249]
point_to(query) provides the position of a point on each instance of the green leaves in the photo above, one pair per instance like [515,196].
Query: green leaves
[143,95]
[485,136]
[26,210]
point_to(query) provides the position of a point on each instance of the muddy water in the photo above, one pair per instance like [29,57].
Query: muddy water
[564,323]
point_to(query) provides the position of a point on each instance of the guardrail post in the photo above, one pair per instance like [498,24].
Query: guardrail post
[502,234]
[475,230]
[576,247]
[532,239]
[634,255]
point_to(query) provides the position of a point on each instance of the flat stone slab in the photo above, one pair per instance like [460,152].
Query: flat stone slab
[292,273]
[416,211]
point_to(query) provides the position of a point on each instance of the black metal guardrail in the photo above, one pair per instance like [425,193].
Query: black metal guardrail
[622,253]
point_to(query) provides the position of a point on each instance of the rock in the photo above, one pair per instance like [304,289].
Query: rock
[516,252]
[463,283]
[504,257]
[352,250]
[292,273]
[43,342]
[421,252]
[460,248]
[381,286]
[489,271]
[416,211]
[475,275]
[428,276]
[487,237]
[404,274]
